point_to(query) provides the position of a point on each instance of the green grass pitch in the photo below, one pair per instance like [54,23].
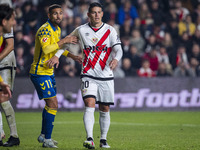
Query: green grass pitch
[128,131]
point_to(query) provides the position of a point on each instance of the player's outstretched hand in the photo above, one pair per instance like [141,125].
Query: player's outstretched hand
[113,64]
[78,59]
[53,61]
[71,39]
[6,90]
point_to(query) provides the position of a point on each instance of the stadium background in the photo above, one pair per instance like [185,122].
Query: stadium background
[166,33]
[162,35]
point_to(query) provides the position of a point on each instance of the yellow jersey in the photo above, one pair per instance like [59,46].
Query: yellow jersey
[46,46]
[1,79]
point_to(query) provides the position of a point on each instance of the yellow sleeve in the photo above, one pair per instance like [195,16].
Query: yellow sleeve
[66,52]
[44,38]
[1,79]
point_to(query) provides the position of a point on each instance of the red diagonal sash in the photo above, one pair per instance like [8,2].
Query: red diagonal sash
[96,57]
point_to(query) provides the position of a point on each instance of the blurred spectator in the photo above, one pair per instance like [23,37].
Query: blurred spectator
[195,52]
[63,27]
[187,26]
[196,13]
[194,64]
[81,11]
[67,13]
[168,43]
[159,33]
[19,18]
[157,13]
[185,41]
[183,70]
[153,59]
[162,55]
[126,67]
[112,23]
[67,68]
[141,27]
[145,70]
[125,29]
[125,46]
[110,12]
[181,56]
[21,69]
[137,40]
[126,12]
[31,22]
[43,17]
[135,57]
[173,29]
[19,40]
[196,37]
[145,14]
[172,15]
[151,43]
[30,58]
[180,10]
[163,70]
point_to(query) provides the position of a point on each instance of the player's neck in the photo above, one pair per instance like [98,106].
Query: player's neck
[96,25]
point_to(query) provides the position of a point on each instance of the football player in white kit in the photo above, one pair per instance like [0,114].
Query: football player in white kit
[98,42]
[7,68]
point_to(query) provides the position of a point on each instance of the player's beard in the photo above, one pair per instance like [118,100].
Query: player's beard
[58,21]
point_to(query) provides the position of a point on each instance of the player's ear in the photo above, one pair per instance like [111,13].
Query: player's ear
[88,14]
[102,13]
[48,15]
[4,22]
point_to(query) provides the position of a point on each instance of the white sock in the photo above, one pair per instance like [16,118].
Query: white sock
[1,126]
[10,117]
[88,120]
[104,121]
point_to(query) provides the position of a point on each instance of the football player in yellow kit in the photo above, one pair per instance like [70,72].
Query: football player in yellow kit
[47,43]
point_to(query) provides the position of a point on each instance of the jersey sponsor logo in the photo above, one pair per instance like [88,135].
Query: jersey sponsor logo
[94,49]
[92,63]
[44,40]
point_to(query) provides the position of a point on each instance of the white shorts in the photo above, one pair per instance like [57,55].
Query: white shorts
[102,91]
[8,69]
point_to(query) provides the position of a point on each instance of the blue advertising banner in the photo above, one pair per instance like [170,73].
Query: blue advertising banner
[131,94]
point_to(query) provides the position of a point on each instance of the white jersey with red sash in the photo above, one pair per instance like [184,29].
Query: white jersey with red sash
[97,46]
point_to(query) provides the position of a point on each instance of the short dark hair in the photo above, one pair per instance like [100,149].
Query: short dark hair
[95,4]
[5,12]
[53,7]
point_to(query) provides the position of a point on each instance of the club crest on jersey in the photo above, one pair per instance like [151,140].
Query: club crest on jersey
[94,40]
[44,39]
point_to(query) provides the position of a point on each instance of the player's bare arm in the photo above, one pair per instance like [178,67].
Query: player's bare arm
[75,58]
[68,40]
[55,60]
[9,47]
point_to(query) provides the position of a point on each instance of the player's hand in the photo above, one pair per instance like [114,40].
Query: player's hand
[78,59]
[71,39]
[113,64]
[6,90]
[53,61]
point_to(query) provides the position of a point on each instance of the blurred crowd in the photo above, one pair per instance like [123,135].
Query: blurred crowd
[159,37]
